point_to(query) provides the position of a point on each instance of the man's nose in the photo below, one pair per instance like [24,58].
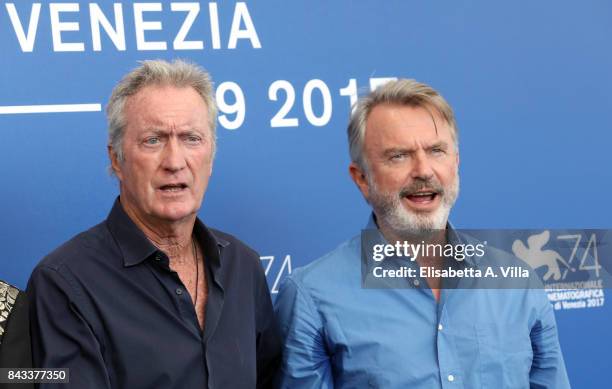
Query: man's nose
[421,167]
[173,158]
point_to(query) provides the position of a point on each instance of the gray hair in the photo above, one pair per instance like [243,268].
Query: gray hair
[402,92]
[177,73]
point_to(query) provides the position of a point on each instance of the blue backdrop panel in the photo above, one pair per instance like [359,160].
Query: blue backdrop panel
[529,82]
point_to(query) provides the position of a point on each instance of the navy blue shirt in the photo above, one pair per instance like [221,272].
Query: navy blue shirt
[107,306]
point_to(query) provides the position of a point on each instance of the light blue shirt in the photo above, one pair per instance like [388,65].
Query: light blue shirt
[339,335]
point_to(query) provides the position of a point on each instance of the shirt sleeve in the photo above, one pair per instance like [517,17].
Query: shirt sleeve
[306,362]
[547,368]
[61,337]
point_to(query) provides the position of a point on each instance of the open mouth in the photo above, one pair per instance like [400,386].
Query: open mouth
[170,188]
[424,197]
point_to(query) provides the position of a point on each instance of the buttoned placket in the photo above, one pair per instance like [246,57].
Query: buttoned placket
[179,292]
[448,364]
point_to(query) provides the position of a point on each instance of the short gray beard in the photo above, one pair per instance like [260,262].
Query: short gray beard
[403,222]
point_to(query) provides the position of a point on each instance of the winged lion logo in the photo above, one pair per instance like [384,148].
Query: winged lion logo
[533,255]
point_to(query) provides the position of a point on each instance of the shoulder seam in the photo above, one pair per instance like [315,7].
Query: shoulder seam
[309,301]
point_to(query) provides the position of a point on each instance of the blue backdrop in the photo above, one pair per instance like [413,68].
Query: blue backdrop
[529,82]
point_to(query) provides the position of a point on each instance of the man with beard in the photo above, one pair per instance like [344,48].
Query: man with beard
[404,149]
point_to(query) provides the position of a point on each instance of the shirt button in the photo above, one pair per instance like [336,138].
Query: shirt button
[416,282]
[451,378]
[179,291]
[157,257]
[440,328]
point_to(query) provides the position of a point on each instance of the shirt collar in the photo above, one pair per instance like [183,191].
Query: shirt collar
[135,247]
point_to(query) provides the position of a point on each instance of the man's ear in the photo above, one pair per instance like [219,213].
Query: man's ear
[115,165]
[359,178]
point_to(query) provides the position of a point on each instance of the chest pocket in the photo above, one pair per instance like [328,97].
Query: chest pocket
[506,355]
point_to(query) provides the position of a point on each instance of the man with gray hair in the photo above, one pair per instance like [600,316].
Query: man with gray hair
[151,297]
[339,331]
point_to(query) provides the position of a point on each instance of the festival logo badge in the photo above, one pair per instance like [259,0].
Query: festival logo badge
[571,265]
